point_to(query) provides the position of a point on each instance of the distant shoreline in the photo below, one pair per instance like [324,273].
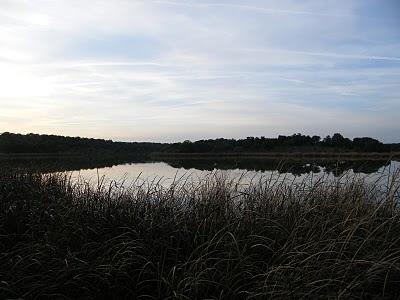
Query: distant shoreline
[227,155]
[289,155]
[42,154]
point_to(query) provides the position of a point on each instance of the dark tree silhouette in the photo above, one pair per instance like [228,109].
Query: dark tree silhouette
[35,143]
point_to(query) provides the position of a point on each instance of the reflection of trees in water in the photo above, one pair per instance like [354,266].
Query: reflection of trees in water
[358,166]
[295,167]
[67,163]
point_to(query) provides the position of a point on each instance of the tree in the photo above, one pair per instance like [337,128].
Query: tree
[315,139]
[367,144]
[327,141]
[339,141]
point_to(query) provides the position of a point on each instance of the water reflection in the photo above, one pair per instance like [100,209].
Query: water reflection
[116,168]
[294,167]
[51,164]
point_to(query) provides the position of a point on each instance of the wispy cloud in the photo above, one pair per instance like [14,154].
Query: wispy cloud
[259,9]
[349,56]
[322,54]
[172,70]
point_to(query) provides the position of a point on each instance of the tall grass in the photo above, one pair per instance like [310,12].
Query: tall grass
[215,239]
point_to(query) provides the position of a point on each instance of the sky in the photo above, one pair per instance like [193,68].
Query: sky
[171,70]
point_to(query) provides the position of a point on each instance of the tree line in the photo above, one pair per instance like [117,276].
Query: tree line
[35,143]
[296,142]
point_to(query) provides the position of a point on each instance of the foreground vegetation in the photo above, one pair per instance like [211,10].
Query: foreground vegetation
[216,239]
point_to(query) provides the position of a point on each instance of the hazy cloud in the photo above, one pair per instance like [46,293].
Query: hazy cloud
[174,70]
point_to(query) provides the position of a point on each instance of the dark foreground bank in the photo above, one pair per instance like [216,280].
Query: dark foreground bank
[215,240]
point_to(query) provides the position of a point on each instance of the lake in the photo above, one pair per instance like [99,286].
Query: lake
[166,171]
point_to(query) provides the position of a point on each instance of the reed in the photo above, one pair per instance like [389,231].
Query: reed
[217,238]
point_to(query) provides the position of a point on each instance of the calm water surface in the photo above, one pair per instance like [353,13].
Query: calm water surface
[166,173]
[126,171]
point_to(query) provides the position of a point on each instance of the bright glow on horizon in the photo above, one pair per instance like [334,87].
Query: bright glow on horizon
[168,70]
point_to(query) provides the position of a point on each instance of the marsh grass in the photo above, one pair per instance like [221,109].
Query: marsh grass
[211,239]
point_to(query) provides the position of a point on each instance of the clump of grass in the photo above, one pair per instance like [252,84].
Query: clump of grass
[214,239]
